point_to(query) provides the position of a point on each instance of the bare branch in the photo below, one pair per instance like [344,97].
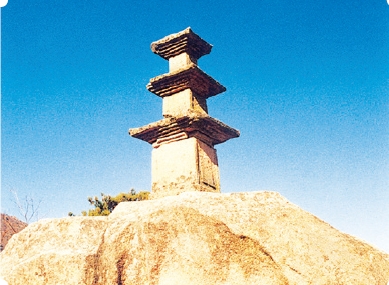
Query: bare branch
[28,208]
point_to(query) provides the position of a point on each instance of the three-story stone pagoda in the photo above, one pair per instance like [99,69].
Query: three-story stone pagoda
[183,156]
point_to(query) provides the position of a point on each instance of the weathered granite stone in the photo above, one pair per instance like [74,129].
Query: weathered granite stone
[199,168]
[185,41]
[54,251]
[190,162]
[200,126]
[182,104]
[190,77]
[194,238]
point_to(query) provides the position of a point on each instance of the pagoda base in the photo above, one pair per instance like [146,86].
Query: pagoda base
[188,164]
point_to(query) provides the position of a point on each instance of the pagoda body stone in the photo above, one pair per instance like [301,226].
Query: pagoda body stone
[183,155]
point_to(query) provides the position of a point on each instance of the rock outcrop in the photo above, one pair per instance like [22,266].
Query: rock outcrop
[9,226]
[193,238]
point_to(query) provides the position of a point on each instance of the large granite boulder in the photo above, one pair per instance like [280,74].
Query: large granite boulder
[193,238]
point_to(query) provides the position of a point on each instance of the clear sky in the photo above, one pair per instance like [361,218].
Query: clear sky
[307,86]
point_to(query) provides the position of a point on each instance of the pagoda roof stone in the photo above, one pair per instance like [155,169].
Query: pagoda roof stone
[191,77]
[202,126]
[185,41]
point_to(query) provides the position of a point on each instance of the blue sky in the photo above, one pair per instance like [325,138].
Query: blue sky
[307,86]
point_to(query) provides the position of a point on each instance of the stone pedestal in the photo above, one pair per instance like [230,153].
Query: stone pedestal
[183,156]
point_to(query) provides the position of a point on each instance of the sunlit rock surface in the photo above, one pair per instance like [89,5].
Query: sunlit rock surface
[193,238]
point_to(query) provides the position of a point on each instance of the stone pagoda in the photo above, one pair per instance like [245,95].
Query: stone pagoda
[183,155]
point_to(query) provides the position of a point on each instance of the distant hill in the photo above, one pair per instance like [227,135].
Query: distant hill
[9,226]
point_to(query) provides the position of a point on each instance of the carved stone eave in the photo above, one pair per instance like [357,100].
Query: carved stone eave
[201,126]
[185,41]
[191,77]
